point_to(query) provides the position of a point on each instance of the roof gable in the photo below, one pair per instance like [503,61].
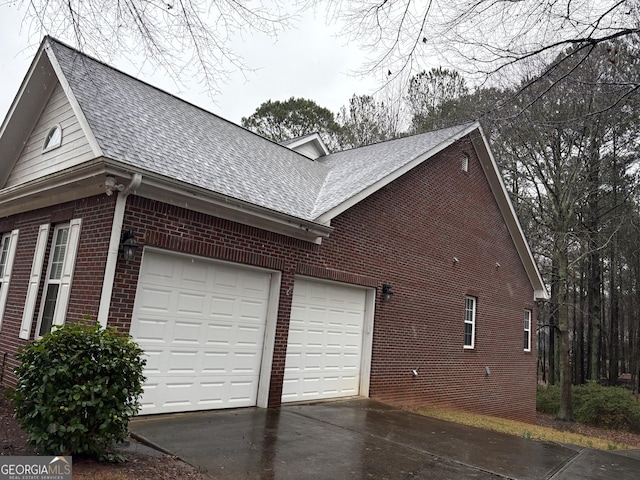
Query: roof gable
[74,148]
[310,146]
[42,92]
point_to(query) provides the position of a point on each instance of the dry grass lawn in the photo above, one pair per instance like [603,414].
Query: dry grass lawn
[521,429]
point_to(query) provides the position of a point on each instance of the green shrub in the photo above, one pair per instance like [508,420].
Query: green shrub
[606,407]
[548,399]
[77,389]
[596,405]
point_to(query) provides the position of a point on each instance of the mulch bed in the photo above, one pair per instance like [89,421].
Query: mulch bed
[13,441]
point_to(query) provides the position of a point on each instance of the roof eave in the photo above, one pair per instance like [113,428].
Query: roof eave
[24,111]
[88,179]
[501,195]
[82,181]
[174,192]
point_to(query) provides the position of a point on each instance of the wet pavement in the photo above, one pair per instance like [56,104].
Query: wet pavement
[363,439]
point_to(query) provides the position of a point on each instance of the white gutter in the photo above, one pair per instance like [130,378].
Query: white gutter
[114,245]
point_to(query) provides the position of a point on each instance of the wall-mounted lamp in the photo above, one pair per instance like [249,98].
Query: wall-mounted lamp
[128,245]
[387,292]
[487,371]
[455,260]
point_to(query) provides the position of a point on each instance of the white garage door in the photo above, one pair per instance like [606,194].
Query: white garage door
[324,350]
[201,325]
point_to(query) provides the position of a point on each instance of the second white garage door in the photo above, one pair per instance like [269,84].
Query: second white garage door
[202,325]
[325,345]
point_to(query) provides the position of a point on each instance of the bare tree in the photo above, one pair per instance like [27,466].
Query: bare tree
[486,37]
[182,37]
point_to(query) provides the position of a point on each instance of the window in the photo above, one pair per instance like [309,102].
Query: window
[57,283]
[469,322]
[52,281]
[53,139]
[8,244]
[465,163]
[527,330]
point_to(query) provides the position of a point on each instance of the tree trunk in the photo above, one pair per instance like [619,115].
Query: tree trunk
[566,411]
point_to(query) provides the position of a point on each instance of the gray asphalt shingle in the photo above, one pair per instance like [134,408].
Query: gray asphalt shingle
[147,128]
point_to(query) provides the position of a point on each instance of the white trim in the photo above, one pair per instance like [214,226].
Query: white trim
[492,173]
[527,330]
[8,267]
[53,146]
[112,253]
[206,201]
[269,342]
[82,120]
[472,322]
[68,268]
[315,139]
[367,342]
[34,282]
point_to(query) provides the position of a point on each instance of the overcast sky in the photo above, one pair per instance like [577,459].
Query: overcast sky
[305,62]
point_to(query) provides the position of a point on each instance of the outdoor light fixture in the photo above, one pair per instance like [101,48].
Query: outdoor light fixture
[487,371]
[128,245]
[387,292]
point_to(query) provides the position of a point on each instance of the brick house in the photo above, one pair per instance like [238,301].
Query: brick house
[264,273]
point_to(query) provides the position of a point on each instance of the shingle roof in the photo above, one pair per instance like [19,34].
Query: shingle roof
[147,128]
[354,170]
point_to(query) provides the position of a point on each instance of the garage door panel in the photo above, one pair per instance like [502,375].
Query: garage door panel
[194,275]
[187,332]
[149,330]
[324,349]
[202,332]
[154,298]
[188,303]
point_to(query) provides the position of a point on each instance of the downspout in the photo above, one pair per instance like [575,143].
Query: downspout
[114,243]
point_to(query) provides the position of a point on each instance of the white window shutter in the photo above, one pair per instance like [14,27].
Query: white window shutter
[11,255]
[67,272]
[34,282]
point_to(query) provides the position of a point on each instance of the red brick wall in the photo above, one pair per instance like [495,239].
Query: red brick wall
[406,234]
[96,213]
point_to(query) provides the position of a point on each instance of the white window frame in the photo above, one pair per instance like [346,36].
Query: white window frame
[51,142]
[527,330]
[67,267]
[8,247]
[470,304]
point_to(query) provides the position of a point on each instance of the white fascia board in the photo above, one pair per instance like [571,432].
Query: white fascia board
[492,173]
[26,108]
[88,179]
[201,200]
[325,218]
[82,181]
[82,120]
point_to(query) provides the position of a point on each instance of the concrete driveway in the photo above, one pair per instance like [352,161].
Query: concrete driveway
[363,439]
